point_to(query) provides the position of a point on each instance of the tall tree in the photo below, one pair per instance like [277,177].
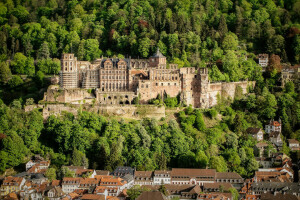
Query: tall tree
[5,73]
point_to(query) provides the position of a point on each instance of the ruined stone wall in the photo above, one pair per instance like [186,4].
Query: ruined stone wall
[226,90]
[114,98]
[150,89]
[126,111]
[55,94]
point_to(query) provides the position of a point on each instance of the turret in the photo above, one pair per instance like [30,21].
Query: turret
[158,59]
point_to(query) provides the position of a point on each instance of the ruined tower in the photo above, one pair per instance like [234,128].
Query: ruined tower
[68,75]
[204,84]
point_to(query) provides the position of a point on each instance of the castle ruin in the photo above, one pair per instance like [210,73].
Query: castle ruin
[119,81]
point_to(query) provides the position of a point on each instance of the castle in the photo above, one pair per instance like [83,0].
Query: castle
[119,81]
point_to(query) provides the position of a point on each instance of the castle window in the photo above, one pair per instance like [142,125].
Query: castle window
[66,69]
[66,57]
[162,84]
[142,86]
[156,83]
[66,63]
[175,84]
[176,78]
[71,68]
[146,85]
[169,84]
[70,57]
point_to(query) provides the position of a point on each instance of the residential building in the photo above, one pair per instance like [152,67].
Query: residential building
[129,179]
[182,176]
[275,138]
[290,73]
[70,184]
[11,184]
[143,178]
[275,188]
[215,195]
[37,165]
[264,162]
[263,61]
[216,187]
[260,148]
[256,133]
[230,177]
[122,171]
[273,126]
[294,144]
[54,192]
[277,196]
[162,177]
[273,176]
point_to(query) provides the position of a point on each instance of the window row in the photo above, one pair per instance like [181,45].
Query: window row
[113,77]
[113,72]
[165,84]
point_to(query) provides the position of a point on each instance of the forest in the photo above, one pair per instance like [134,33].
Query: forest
[100,142]
[224,35]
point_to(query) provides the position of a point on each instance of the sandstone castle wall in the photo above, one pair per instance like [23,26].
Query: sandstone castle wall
[120,81]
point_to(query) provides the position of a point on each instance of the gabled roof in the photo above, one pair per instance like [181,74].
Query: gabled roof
[143,174]
[15,181]
[193,172]
[122,170]
[252,130]
[293,141]
[274,134]
[217,185]
[278,196]
[151,195]
[102,172]
[162,172]
[228,175]
[92,197]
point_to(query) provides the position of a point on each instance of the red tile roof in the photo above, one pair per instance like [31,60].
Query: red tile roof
[12,181]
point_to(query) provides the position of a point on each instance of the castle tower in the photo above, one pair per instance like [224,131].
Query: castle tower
[68,76]
[204,84]
[158,60]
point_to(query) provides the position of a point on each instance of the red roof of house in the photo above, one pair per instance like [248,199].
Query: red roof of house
[12,181]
